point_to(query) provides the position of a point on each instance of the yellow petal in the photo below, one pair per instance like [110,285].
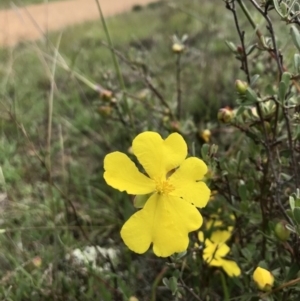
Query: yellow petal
[176,218]
[222,250]
[220,236]
[137,230]
[213,223]
[122,174]
[159,156]
[186,180]
[215,262]
[263,278]
[214,251]
[231,268]
[201,236]
[164,221]
[209,250]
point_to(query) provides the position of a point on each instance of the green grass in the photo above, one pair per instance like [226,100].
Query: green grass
[38,217]
[5,4]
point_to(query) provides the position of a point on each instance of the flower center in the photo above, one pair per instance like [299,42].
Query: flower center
[164,187]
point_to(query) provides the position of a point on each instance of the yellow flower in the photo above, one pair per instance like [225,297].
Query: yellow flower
[174,188]
[263,279]
[215,248]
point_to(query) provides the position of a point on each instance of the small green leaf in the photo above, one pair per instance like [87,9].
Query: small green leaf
[251,96]
[295,36]
[247,254]
[297,202]
[296,213]
[297,62]
[293,270]
[231,46]
[287,177]
[250,49]
[140,200]
[286,77]
[278,8]
[243,192]
[284,8]
[283,86]
[254,79]
[173,286]
[288,226]
[177,256]
[205,151]
[282,91]
[292,203]
[166,282]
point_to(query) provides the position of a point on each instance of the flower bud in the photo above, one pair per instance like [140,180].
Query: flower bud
[241,86]
[175,125]
[281,232]
[240,49]
[178,48]
[205,135]
[263,279]
[106,95]
[33,264]
[105,110]
[225,115]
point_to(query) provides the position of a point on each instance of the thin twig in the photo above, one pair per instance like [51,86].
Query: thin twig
[241,34]
[146,80]
[178,85]
[126,107]
[272,33]
[189,290]
[272,164]
[291,145]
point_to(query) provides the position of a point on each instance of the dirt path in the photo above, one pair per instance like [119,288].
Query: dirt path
[17,24]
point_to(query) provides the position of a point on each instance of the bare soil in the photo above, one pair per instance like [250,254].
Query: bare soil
[33,21]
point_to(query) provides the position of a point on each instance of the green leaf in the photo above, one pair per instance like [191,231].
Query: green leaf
[282,91]
[286,177]
[297,62]
[247,254]
[140,200]
[243,192]
[294,269]
[250,49]
[296,213]
[231,46]
[177,256]
[295,36]
[278,8]
[286,77]
[254,79]
[173,285]
[292,203]
[251,96]
[166,282]
[288,226]
[205,151]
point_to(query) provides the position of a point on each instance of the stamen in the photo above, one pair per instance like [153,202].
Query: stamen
[164,187]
